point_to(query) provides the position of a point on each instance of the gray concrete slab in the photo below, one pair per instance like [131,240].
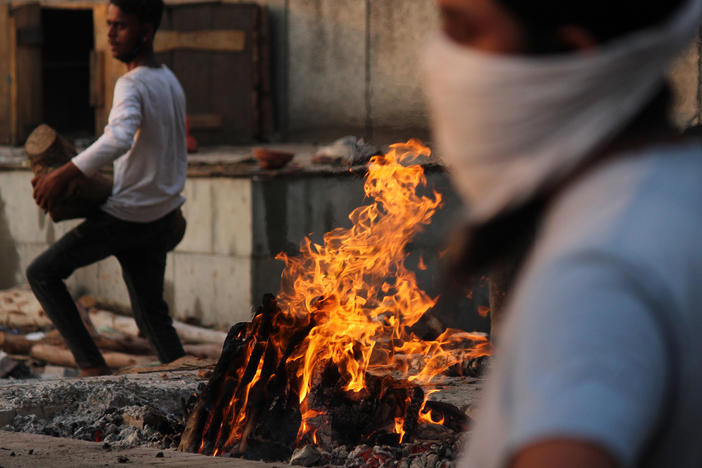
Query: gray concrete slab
[327,63]
[398,29]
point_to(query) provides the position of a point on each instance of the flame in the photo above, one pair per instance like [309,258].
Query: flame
[400,427]
[355,298]
[425,415]
[367,292]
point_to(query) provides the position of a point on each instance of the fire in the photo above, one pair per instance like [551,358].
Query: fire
[355,299]
[425,415]
[400,427]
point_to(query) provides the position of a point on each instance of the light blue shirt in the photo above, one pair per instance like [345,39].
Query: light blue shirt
[606,320]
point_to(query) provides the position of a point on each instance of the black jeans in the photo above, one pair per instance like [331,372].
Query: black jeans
[141,251]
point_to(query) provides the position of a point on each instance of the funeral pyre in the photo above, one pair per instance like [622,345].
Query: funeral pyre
[331,361]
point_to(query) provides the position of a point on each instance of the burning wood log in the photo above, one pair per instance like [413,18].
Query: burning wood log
[251,404]
[47,150]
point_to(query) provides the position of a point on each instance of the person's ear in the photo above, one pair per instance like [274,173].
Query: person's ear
[576,38]
[147,33]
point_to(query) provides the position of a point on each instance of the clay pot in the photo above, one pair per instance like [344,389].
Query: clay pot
[272,159]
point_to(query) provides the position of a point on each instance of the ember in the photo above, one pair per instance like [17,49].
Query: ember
[331,360]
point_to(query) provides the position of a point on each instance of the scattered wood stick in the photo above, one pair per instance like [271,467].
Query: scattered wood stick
[63,357]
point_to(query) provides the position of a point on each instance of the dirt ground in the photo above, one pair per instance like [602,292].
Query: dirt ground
[21,450]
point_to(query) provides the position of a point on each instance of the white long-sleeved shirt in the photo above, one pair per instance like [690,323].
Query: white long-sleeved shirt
[145,141]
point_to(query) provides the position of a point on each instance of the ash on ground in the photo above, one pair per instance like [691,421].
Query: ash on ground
[122,412]
[149,410]
[440,453]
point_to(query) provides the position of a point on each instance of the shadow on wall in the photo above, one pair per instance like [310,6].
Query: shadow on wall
[9,257]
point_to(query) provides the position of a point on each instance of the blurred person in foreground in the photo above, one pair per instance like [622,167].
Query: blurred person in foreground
[142,220]
[551,117]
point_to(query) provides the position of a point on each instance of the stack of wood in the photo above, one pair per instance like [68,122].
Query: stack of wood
[251,404]
[117,336]
[47,151]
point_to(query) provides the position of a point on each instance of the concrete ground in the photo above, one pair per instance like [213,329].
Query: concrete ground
[19,450]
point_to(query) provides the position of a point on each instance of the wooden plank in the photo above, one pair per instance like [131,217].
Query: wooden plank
[5,75]
[220,82]
[265,74]
[97,78]
[235,84]
[29,93]
[221,40]
[69,4]
[192,67]
[14,86]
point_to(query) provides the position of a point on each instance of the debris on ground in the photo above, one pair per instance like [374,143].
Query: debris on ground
[121,412]
[349,150]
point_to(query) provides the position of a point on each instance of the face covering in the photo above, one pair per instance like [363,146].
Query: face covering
[510,126]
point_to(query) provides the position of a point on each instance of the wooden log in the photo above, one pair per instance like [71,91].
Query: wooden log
[47,150]
[15,344]
[63,357]
[124,344]
[207,350]
[193,334]
[205,411]
[102,319]
[20,309]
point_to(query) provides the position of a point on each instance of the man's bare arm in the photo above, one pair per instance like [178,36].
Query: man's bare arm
[558,453]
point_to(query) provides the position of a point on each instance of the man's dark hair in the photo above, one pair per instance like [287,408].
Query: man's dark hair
[148,11]
[604,19]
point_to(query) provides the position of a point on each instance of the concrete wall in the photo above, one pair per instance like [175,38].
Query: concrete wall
[349,67]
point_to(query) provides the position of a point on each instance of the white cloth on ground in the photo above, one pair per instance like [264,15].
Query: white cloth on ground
[145,141]
[614,278]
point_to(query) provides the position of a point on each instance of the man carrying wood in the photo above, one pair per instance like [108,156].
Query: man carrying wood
[141,221]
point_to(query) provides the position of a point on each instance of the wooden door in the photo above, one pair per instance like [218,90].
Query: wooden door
[5,76]
[215,50]
[25,70]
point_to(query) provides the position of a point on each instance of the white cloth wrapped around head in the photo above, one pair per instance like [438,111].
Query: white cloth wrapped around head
[507,126]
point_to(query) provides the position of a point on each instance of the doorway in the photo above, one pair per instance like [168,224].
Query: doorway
[67,42]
